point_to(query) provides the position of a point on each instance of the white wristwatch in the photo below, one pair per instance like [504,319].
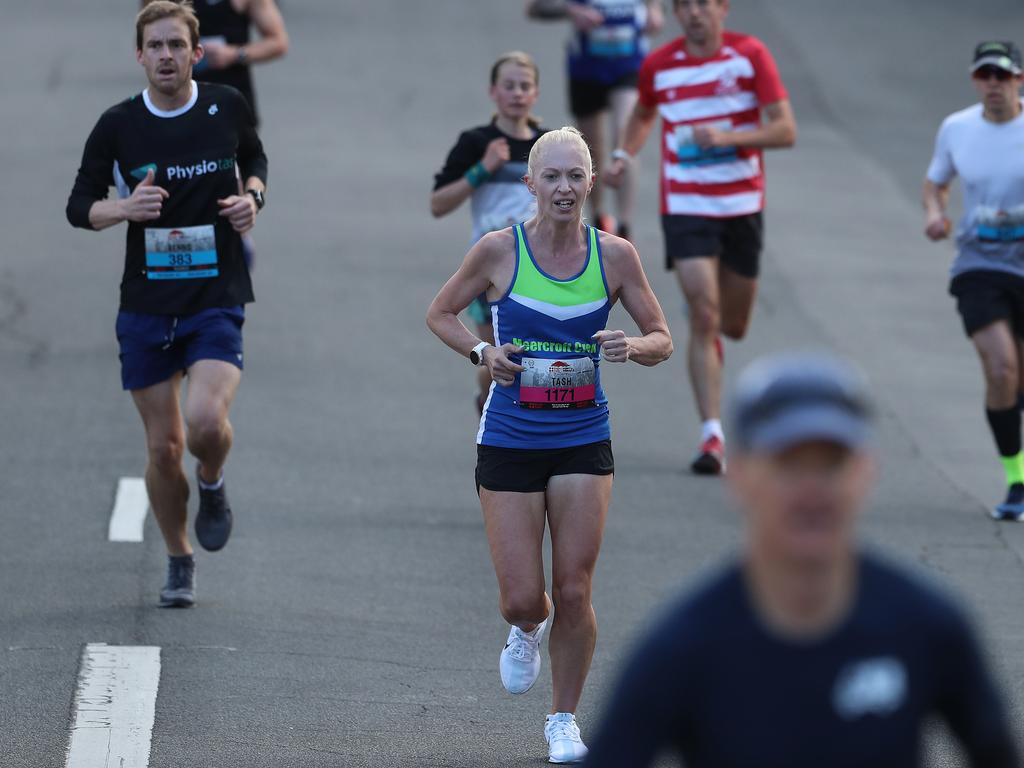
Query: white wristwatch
[621,154]
[476,356]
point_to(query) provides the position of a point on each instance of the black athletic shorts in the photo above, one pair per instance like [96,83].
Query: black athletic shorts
[588,97]
[524,470]
[984,296]
[735,241]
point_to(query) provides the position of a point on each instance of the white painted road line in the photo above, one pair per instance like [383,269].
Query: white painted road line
[130,507]
[114,707]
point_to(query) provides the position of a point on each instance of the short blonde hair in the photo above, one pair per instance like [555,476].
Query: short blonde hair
[156,10]
[564,135]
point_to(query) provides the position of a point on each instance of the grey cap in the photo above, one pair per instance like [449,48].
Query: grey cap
[783,400]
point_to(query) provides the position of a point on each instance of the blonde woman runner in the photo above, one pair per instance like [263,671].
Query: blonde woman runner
[544,452]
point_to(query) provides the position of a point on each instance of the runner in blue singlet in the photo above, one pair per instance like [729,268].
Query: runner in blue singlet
[544,449]
[608,44]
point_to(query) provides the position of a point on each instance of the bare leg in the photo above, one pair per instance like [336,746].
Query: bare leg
[515,532]
[999,350]
[698,277]
[166,483]
[737,294]
[211,389]
[623,100]
[577,509]
[592,127]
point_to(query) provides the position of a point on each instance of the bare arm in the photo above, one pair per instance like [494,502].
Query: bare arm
[638,128]
[936,201]
[473,278]
[545,10]
[777,132]
[449,197]
[106,213]
[273,42]
[453,194]
[144,204]
[583,17]
[654,345]
[655,17]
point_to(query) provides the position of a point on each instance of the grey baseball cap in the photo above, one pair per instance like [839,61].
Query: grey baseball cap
[783,400]
[1004,55]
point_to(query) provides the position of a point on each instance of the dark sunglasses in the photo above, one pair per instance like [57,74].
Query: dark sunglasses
[986,73]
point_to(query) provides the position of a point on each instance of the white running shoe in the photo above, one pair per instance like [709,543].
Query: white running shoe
[520,659]
[563,737]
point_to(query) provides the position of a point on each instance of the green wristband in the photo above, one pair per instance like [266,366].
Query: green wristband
[477,175]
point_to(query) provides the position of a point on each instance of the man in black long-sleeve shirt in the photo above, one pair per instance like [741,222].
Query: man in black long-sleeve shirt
[176,153]
[805,652]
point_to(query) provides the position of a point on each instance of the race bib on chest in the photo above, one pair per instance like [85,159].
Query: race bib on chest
[1000,226]
[181,253]
[552,384]
[613,42]
[690,153]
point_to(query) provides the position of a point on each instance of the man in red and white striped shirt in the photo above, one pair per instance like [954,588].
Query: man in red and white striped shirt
[722,102]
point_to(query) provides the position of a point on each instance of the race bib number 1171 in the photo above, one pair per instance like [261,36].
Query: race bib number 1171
[557,383]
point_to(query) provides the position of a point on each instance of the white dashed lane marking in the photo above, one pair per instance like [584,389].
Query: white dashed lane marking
[130,507]
[115,703]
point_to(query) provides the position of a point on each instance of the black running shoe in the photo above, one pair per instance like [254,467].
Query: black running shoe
[1013,508]
[213,522]
[180,589]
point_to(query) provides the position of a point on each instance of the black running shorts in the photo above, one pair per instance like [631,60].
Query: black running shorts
[985,296]
[588,97]
[735,241]
[524,470]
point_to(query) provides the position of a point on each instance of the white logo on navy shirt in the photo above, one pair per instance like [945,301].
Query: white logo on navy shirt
[213,109]
[872,686]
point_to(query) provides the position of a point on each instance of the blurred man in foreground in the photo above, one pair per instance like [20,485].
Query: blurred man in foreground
[806,651]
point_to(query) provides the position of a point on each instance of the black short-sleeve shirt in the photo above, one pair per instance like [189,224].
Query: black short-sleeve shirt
[193,153]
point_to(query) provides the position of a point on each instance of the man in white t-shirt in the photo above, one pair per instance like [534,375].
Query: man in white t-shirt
[984,146]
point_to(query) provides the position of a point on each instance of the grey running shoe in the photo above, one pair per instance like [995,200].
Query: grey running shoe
[213,522]
[180,589]
[1013,508]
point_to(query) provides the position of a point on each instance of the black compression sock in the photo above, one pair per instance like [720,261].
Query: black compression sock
[1005,426]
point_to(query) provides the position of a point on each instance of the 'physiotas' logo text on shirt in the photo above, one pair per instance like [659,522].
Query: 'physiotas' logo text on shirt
[203,167]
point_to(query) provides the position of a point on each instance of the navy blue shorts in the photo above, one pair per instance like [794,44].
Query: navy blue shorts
[155,347]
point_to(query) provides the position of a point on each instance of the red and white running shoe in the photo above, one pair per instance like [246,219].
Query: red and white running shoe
[710,459]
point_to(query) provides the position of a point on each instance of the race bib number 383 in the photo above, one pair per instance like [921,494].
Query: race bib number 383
[181,253]
[557,383]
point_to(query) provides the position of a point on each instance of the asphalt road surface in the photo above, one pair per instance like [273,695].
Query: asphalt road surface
[352,621]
